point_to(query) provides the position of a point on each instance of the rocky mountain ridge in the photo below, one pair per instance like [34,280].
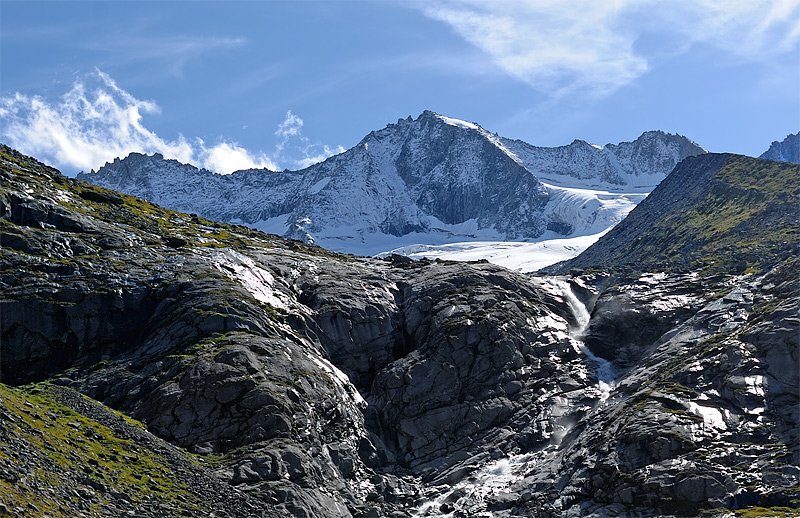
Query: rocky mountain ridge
[787,150]
[636,166]
[432,179]
[311,384]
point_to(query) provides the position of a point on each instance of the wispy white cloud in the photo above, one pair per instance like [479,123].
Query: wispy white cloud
[171,53]
[291,125]
[291,130]
[128,42]
[746,29]
[97,121]
[90,126]
[559,47]
[324,151]
[552,46]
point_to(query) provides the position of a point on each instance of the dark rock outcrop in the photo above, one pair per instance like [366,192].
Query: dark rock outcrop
[787,150]
[305,383]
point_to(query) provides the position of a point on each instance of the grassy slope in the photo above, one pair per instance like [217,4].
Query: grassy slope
[53,459]
[747,221]
[716,213]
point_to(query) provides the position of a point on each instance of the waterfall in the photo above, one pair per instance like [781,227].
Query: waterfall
[499,476]
[606,377]
[578,309]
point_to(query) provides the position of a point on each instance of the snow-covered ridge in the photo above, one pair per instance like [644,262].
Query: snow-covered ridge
[636,166]
[432,180]
[458,122]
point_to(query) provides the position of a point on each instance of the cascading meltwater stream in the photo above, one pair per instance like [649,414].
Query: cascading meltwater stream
[606,377]
[500,474]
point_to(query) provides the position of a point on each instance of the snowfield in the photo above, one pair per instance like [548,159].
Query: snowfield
[514,255]
[590,212]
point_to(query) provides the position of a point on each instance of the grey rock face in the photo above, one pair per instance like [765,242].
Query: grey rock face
[678,405]
[629,317]
[787,150]
[323,385]
[463,375]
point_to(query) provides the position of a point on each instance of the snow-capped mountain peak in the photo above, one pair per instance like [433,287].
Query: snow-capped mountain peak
[427,176]
[432,179]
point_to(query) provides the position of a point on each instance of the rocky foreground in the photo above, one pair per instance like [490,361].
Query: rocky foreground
[156,363]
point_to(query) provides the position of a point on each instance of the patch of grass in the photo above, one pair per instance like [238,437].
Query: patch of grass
[678,389]
[767,511]
[275,314]
[72,445]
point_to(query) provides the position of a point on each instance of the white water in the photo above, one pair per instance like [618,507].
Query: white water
[493,478]
[578,309]
[497,477]
[606,377]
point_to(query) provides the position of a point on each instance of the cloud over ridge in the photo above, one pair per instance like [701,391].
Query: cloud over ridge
[97,121]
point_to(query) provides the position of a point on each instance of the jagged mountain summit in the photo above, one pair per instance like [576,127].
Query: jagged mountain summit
[426,175]
[165,365]
[636,166]
[433,180]
[787,150]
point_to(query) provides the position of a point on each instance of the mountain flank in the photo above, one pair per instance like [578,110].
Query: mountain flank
[716,213]
[635,166]
[787,150]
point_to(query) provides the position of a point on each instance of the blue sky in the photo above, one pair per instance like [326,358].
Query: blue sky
[282,84]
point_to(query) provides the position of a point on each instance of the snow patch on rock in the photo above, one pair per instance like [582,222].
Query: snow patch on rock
[256,280]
